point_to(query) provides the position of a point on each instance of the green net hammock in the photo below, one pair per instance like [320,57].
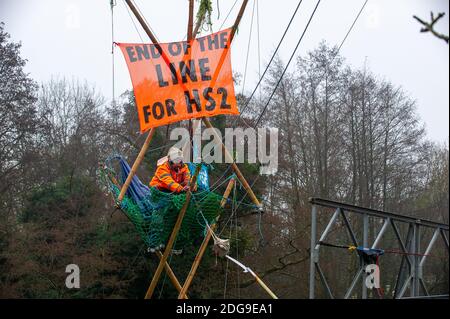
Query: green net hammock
[154,213]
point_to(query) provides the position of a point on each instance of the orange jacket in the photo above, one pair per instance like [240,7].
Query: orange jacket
[166,178]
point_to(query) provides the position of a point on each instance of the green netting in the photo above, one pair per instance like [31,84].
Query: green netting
[156,220]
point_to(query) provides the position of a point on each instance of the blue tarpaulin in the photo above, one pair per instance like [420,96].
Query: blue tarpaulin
[139,192]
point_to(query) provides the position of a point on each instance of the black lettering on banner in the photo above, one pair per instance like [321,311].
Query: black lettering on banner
[186,47]
[142,51]
[213,42]
[155,50]
[173,71]
[204,69]
[223,40]
[155,107]
[212,103]
[201,41]
[223,104]
[147,114]
[184,70]
[131,54]
[159,74]
[177,50]
[170,106]
[195,100]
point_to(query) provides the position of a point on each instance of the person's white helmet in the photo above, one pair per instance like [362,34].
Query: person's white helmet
[175,155]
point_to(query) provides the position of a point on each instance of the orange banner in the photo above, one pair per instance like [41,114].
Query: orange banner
[181,80]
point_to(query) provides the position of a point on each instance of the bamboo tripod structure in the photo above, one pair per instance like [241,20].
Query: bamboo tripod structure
[173,236]
[202,249]
[172,276]
[163,257]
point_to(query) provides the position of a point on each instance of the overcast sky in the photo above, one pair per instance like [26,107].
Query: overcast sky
[73,39]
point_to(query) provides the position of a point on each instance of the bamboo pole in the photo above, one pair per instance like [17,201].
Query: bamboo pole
[189,38]
[234,166]
[208,123]
[149,138]
[263,285]
[141,21]
[190,20]
[238,19]
[152,131]
[204,244]
[172,276]
[144,148]
[230,39]
[173,236]
[258,280]
[153,38]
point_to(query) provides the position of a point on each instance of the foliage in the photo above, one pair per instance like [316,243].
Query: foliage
[66,198]
[204,12]
[343,134]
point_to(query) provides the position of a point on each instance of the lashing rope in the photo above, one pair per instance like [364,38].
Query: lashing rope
[386,251]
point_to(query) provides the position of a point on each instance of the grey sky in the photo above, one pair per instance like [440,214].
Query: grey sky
[73,38]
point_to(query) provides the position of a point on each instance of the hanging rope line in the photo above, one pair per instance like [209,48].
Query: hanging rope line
[322,77]
[271,59]
[174,252]
[248,47]
[352,248]
[259,45]
[132,20]
[141,249]
[337,52]
[238,277]
[221,246]
[229,12]
[353,24]
[233,211]
[145,213]
[113,4]
[218,10]
[265,71]
[236,207]
[145,20]
[371,255]
[267,67]
[286,67]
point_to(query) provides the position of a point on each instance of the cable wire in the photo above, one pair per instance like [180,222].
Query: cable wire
[287,65]
[271,59]
[248,47]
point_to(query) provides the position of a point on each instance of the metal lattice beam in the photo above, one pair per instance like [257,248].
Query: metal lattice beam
[411,268]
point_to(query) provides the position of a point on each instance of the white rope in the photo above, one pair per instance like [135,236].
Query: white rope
[221,246]
[245,268]
[113,4]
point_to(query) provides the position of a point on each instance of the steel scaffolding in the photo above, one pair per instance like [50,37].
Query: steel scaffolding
[410,274]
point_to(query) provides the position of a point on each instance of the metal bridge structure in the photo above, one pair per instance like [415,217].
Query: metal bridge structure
[410,274]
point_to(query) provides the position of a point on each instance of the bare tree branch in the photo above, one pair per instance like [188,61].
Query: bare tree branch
[429,26]
[283,265]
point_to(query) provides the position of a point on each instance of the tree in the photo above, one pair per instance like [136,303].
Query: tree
[18,123]
[19,120]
